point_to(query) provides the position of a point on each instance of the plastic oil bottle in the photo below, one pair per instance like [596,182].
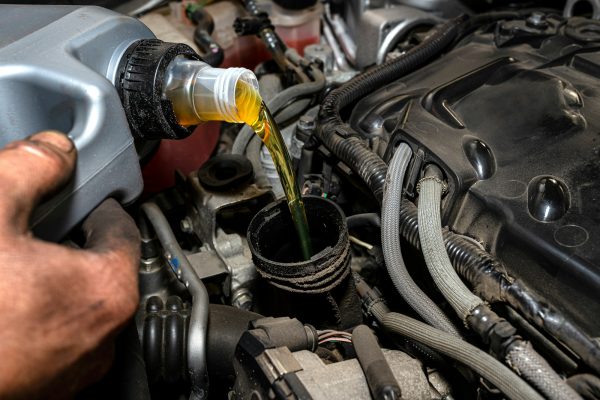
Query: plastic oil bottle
[200,93]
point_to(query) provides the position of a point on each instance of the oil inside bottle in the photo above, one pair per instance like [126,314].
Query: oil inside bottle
[254,113]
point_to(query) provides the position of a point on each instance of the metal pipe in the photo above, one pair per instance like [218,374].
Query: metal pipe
[198,327]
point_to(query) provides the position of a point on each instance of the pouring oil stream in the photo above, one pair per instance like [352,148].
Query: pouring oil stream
[199,93]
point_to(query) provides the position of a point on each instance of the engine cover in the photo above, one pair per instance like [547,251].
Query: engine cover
[512,115]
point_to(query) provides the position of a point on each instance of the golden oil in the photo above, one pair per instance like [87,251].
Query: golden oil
[193,106]
[254,112]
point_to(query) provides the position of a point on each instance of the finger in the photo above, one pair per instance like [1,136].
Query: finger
[110,230]
[31,169]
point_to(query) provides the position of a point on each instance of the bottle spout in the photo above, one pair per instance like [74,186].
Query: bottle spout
[200,93]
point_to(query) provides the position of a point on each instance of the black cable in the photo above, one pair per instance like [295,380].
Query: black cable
[341,139]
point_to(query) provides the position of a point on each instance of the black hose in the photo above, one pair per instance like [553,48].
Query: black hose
[196,338]
[380,378]
[212,53]
[371,220]
[226,325]
[340,138]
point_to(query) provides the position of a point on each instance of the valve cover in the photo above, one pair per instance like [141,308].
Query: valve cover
[512,115]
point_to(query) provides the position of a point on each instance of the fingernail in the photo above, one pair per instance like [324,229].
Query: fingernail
[56,139]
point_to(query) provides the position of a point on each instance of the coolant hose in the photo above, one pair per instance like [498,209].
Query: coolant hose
[198,326]
[483,364]
[390,239]
[462,300]
[340,139]
[520,355]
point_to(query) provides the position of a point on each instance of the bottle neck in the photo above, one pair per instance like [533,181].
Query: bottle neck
[200,93]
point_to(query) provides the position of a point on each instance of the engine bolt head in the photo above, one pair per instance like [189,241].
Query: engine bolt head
[537,20]
[186,225]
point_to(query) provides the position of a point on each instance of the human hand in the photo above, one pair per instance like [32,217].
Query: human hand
[60,307]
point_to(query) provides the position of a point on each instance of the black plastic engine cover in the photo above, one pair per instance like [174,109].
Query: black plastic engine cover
[512,115]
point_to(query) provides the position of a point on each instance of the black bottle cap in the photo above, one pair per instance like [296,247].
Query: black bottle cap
[140,85]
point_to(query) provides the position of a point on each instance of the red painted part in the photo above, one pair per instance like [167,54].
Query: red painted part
[300,44]
[249,51]
[185,155]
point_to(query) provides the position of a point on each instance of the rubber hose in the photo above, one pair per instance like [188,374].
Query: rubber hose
[462,300]
[380,378]
[390,239]
[293,110]
[529,364]
[520,356]
[198,325]
[488,276]
[363,220]
[483,364]
[267,34]
[226,325]
[354,153]
[212,53]
[277,103]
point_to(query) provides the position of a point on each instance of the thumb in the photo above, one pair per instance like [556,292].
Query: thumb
[31,169]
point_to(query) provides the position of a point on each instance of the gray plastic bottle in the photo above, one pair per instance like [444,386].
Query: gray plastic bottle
[57,71]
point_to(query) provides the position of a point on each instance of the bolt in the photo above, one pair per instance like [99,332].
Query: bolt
[148,264]
[572,97]
[537,20]
[186,225]
[306,123]
[242,299]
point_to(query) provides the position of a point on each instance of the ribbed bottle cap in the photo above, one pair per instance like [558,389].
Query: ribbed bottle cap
[225,91]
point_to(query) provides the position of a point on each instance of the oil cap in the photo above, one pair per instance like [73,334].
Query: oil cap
[140,86]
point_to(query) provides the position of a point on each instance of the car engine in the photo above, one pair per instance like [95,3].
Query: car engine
[448,153]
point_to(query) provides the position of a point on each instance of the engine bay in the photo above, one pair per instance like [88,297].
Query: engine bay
[448,156]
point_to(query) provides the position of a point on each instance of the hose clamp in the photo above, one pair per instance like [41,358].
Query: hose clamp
[371,299]
[443,184]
